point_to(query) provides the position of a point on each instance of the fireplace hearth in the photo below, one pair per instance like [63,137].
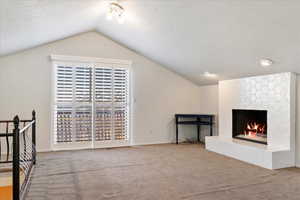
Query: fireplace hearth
[250,125]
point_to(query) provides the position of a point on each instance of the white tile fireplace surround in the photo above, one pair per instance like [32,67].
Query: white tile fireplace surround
[274,93]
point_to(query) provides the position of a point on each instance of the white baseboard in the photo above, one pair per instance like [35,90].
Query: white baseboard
[150,143]
[134,144]
[44,150]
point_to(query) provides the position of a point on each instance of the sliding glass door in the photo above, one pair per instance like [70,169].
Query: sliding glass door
[91,105]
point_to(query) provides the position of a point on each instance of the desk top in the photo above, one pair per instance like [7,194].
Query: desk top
[193,115]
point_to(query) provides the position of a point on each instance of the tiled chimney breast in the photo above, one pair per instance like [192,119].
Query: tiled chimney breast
[275,93]
[271,93]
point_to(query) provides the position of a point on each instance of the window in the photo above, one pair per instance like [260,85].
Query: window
[91,102]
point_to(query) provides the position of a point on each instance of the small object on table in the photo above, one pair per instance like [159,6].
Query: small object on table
[200,119]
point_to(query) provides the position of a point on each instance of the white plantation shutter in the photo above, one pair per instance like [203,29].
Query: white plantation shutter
[112,90]
[64,84]
[103,123]
[63,109]
[103,84]
[83,84]
[73,103]
[121,85]
[83,123]
[83,103]
[91,103]
[63,124]
[103,101]
[120,122]
[121,105]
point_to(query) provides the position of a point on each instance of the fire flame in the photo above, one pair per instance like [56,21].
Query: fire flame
[254,129]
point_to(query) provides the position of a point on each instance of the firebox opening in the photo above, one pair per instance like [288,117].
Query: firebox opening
[250,125]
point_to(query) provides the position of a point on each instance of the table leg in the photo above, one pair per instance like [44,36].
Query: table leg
[176,121]
[211,127]
[198,130]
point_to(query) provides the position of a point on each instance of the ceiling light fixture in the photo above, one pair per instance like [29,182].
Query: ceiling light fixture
[210,75]
[266,62]
[115,10]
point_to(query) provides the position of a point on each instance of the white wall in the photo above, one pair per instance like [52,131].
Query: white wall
[209,99]
[209,105]
[25,84]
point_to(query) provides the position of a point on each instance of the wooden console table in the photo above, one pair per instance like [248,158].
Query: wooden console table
[199,120]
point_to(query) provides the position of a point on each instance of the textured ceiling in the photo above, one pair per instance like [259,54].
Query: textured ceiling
[226,37]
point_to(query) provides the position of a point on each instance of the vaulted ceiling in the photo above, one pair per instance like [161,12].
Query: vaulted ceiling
[225,37]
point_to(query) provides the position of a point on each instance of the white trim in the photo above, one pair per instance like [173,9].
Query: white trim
[151,143]
[44,150]
[72,145]
[124,144]
[93,106]
[57,148]
[113,106]
[89,59]
[87,145]
[130,104]
[53,97]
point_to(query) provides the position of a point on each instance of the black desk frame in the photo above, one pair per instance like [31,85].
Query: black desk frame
[200,120]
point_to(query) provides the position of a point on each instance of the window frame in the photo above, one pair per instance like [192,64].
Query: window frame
[93,62]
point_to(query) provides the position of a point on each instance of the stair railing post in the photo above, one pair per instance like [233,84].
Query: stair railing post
[16,159]
[34,137]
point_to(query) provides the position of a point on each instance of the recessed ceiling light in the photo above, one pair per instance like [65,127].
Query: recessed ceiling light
[266,62]
[210,75]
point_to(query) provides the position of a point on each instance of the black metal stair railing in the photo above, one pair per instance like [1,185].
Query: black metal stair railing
[20,152]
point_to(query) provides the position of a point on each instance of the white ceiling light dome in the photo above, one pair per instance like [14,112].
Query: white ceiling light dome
[209,75]
[266,62]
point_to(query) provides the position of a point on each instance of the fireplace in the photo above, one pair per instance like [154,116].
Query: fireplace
[250,125]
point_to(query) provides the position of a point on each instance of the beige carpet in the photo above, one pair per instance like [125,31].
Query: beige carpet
[157,172]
